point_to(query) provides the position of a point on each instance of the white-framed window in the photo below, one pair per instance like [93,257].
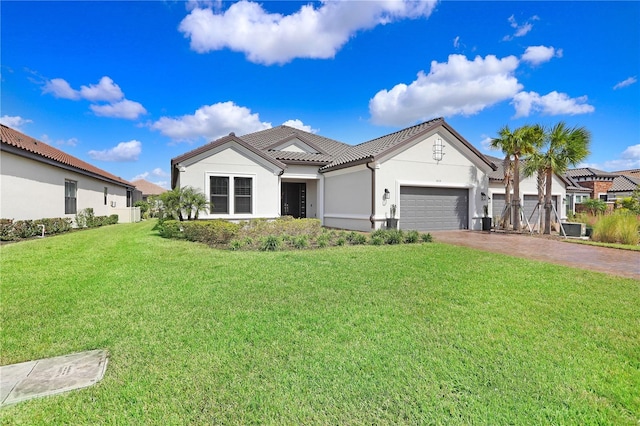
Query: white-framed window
[231,194]
[70,196]
[219,192]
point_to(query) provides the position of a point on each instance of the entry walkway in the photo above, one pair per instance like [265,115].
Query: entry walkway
[624,263]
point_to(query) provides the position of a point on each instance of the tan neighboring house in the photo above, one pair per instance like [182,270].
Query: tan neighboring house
[39,181]
[145,189]
[433,177]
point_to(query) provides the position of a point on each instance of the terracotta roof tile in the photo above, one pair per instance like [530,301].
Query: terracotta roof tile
[16,139]
[148,188]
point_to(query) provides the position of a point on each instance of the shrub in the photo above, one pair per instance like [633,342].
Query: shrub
[412,237]
[6,229]
[377,240]
[25,229]
[323,240]
[211,232]
[170,229]
[301,242]
[270,243]
[426,238]
[617,228]
[359,239]
[341,241]
[394,236]
[595,206]
[235,245]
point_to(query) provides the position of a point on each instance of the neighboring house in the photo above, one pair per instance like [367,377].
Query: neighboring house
[39,181]
[528,193]
[633,173]
[597,181]
[145,189]
[623,186]
[576,194]
[431,173]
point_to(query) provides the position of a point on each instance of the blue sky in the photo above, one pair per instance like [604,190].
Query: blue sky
[129,85]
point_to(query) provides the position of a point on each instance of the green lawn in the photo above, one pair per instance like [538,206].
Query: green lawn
[411,334]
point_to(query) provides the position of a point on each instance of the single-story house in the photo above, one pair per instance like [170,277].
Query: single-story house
[597,181]
[39,181]
[528,193]
[622,186]
[146,189]
[433,177]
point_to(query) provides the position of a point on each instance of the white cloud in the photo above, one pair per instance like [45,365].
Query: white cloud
[124,151]
[59,88]
[553,103]
[211,122]
[456,42]
[14,121]
[624,83]
[60,142]
[158,172]
[485,143]
[520,29]
[105,90]
[124,109]
[629,159]
[311,32]
[537,55]
[298,124]
[456,87]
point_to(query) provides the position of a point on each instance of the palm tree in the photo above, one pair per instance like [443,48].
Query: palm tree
[192,202]
[535,165]
[505,143]
[566,146]
[171,204]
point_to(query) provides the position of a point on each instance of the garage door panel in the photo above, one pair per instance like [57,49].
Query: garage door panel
[431,209]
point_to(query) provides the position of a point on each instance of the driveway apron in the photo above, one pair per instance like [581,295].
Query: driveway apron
[624,263]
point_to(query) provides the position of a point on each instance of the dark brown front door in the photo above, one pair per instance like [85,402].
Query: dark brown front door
[294,199]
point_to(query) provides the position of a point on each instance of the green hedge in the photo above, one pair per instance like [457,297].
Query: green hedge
[211,232]
[11,230]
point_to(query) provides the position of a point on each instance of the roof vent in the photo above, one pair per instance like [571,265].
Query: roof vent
[232,134]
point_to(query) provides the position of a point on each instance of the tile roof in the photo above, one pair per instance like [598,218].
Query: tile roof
[26,145]
[589,172]
[624,183]
[376,148]
[148,188]
[330,153]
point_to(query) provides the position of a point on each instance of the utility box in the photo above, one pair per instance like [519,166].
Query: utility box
[575,229]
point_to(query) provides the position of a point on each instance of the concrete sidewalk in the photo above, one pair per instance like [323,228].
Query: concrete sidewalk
[624,263]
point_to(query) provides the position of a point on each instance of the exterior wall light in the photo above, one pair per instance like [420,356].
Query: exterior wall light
[386,194]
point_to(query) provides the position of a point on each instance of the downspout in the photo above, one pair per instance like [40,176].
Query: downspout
[373,196]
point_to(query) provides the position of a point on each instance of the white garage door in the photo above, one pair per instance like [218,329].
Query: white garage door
[433,209]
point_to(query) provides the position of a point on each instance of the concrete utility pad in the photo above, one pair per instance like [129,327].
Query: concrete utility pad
[33,379]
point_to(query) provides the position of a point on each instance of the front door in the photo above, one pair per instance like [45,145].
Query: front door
[294,199]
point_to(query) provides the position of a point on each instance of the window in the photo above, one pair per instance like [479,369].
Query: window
[105,195]
[242,192]
[219,194]
[603,197]
[129,197]
[70,194]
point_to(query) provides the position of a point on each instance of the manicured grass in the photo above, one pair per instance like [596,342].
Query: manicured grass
[610,245]
[410,334]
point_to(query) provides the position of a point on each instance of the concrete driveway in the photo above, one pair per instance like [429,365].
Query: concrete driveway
[624,263]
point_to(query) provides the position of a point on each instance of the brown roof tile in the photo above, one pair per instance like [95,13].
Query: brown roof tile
[26,144]
[148,188]
[624,183]
[376,148]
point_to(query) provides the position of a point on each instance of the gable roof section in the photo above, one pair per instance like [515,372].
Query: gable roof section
[292,137]
[624,183]
[148,188]
[379,147]
[589,172]
[25,146]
